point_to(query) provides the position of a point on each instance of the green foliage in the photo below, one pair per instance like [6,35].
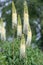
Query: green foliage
[10,54]
[34,56]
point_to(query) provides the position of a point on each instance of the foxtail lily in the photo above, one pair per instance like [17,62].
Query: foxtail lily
[29,37]
[3,33]
[26,18]
[19,27]
[22,47]
[2,30]
[14,15]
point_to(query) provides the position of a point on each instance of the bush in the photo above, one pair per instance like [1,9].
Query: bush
[10,54]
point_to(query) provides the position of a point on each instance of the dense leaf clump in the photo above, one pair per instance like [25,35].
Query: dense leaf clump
[10,54]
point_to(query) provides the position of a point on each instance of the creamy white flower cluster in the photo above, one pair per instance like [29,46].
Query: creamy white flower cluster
[26,29]
[2,31]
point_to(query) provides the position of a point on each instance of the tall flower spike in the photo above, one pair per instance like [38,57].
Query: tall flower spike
[22,47]
[14,15]
[29,37]
[26,18]
[3,33]
[2,30]
[23,39]
[19,20]
[25,7]
[19,27]
[1,21]
[13,7]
